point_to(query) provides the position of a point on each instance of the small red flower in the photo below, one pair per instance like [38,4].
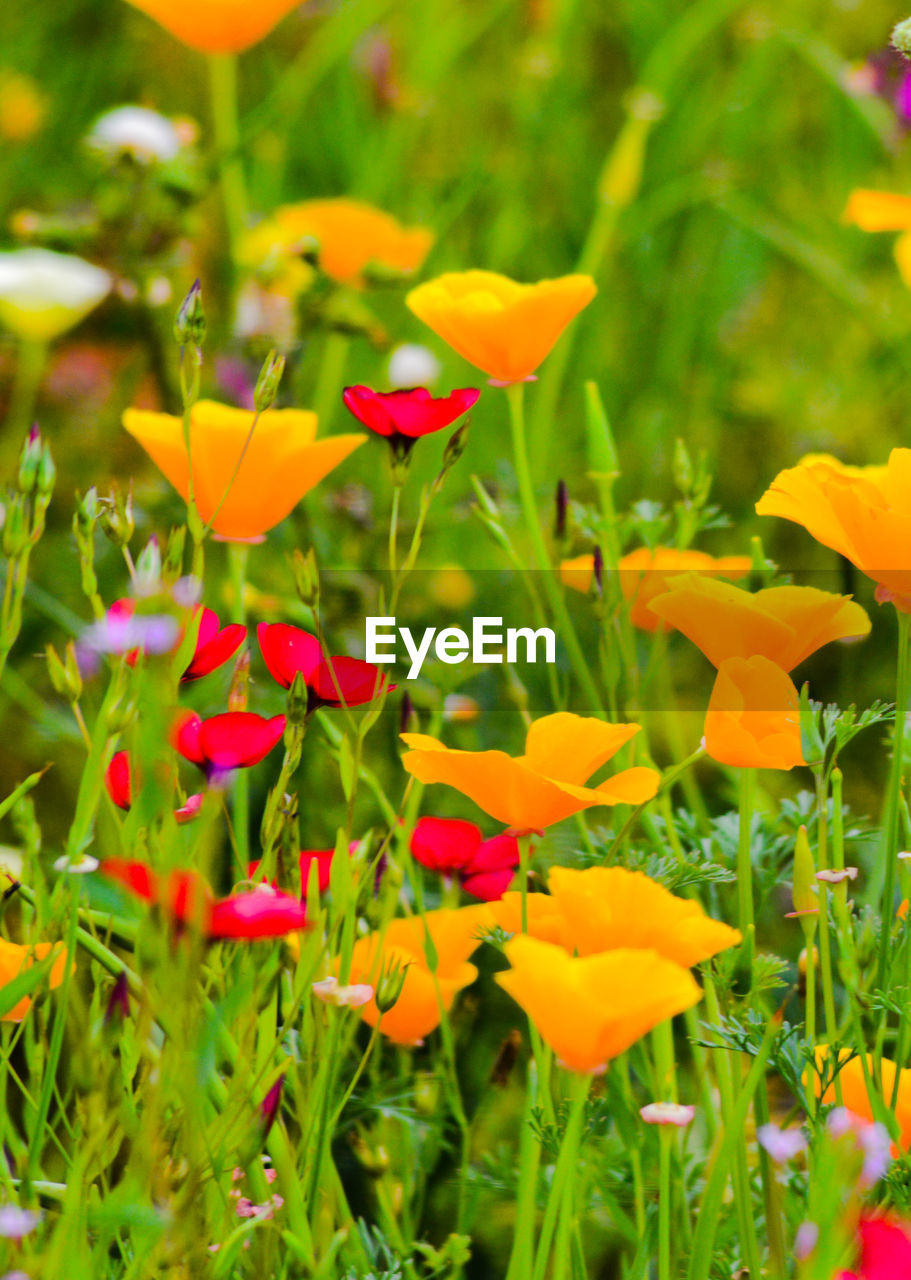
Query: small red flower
[261,912]
[454,847]
[323,860]
[885,1251]
[403,416]
[118,780]
[331,682]
[214,645]
[234,740]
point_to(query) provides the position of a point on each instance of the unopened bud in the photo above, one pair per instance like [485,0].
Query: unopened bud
[29,461]
[390,984]
[148,568]
[115,515]
[64,673]
[119,1000]
[561,503]
[598,571]
[271,1105]
[683,467]
[86,513]
[306,576]
[15,530]
[268,382]
[240,681]
[455,447]
[298,700]
[190,323]
[47,472]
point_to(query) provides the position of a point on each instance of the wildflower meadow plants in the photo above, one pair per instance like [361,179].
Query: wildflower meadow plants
[578,950]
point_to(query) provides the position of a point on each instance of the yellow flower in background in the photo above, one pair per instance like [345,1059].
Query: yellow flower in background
[590,1009]
[42,293]
[504,328]
[15,958]
[23,106]
[546,784]
[783,624]
[647,573]
[864,513]
[284,461]
[454,935]
[884,211]
[607,908]
[349,236]
[217,26]
[753,720]
[854,1088]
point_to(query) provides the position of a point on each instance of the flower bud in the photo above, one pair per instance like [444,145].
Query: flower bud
[86,514]
[561,504]
[65,674]
[148,568]
[29,460]
[683,467]
[190,323]
[455,447]
[298,702]
[268,381]
[598,572]
[115,515]
[15,530]
[306,576]
[389,985]
[47,472]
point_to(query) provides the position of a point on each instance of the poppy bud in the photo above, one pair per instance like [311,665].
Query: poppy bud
[148,568]
[561,502]
[115,515]
[268,381]
[306,576]
[190,323]
[29,460]
[389,985]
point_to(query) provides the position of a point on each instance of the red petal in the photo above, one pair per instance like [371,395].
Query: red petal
[138,877]
[885,1250]
[238,739]
[287,650]
[409,413]
[347,682]
[501,853]
[186,730]
[118,781]
[489,886]
[445,844]
[209,657]
[187,812]
[260,913]
[367,406]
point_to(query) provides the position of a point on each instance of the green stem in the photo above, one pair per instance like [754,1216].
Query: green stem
[893,806]
[825,952]
[747,793]
[24,396]
[394,529]
[331,375]
[515,397]
[560,1200]
[237,559]
[223,96]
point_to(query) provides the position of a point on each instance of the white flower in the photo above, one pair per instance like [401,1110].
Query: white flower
[329,991]
[412,366]
[42,293]
[135,131]
[667,1113]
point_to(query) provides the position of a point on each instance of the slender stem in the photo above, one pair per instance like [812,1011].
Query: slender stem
[237,560]
[893,805]
[825,954]
[515,397]
[747,792]
[24,396]
[559,1201]
[394,529]
[524,856]
[328,388]
[223,96]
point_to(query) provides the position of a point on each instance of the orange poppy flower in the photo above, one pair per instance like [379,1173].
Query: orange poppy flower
[647,573]
[590,1009]
[14,958]
[283,461]
[878,210]
[862,512]
[854,1089]
[784,624]
[454,936]
[504,328]
[753,720]
[546,784]
[349,234]
[217,26]
[607,908]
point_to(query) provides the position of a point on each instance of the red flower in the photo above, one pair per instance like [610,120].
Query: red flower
[403,416]
[885,1251]
[452,846]
[118,780]
[214,645]
[234,740]
[331,682]
[261,912]
[323,860]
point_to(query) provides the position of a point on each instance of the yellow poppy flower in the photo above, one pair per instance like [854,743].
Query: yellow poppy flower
[14,958]
[590,1009]
[544,785]
[862,512]
[283,462]
[504,328]
[349,236]
[783,624]
[454,935]
[217,26]
[753,720]
[606,908]
[854,1089]
[647,573]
